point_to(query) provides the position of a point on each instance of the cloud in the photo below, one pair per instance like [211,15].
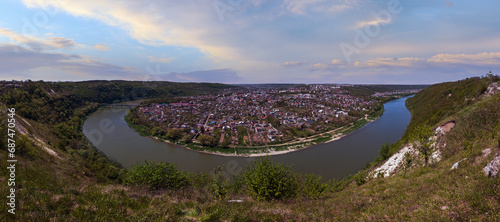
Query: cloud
[436,61]
[294,63]
[479,59]
[301,7]
[101,47]
[39,44]
[216,76]
[160,60]
[260,35]
[19,61]
[238,41]
[334,64]
[373,22]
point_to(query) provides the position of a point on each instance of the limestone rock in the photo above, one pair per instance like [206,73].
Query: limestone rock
[486,152]
[394,162]
[492,168]
[492,89]
[455,166]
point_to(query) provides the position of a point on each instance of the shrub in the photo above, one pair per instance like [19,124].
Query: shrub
[267,180]
[312,186]
[360,178]
[421,141]
[385,151]
[158,175]
[219,186]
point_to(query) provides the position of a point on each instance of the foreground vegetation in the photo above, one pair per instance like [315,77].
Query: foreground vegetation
[78,183]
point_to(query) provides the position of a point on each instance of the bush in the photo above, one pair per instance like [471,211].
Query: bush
[385,151]
[267,180]
[158,175]
[219,186]
[360,178]
[313,187]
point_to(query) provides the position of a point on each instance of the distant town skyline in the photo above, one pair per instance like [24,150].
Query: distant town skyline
[250,41]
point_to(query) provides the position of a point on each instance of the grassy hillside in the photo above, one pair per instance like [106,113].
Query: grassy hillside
[78,183]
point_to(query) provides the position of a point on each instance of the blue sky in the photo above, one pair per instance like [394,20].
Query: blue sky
[250,41]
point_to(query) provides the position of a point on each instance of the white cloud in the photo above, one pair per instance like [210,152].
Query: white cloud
[160,60]
[35,43]
[480,59]
[373,22]
[301,7]
[294,63]
[334,64]
[489,59]
[101,47]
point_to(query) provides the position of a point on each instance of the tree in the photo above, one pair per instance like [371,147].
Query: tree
[187,138]
[207,140]
[174,134]
[225,143]
[407,162]
[422,142]
[158,132]
[384,151]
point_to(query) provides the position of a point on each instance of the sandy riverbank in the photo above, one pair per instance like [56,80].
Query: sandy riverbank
[269,151]
[264,153]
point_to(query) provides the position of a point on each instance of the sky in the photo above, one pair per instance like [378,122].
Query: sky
[250,41]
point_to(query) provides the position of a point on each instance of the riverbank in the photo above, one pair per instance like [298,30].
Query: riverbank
[270,150]
[273,149]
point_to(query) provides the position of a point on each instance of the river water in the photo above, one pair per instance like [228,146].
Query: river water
[108,131]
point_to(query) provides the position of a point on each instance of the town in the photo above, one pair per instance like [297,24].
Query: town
[249,116]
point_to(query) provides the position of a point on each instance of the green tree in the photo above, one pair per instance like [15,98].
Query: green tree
[158,132]
[422,142]
[384,151]
[174,134]
[225,143]
[207,140]
[187,138]
[407,162]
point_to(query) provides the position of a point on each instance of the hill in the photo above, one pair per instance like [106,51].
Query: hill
[60,176]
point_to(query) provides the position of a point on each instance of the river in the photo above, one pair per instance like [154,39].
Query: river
[108,131]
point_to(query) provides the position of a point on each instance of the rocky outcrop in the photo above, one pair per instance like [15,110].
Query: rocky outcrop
[394,162]
[445,128]
[493,168]
[492,89]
